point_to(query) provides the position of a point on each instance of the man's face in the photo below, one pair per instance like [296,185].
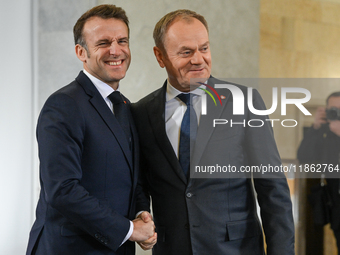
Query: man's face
[187,53]
[334,125]
[333,102]
[108,56]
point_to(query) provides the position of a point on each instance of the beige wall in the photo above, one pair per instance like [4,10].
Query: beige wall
[300,39]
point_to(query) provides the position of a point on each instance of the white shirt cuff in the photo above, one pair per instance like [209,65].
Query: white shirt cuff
[137,214]
[129,234]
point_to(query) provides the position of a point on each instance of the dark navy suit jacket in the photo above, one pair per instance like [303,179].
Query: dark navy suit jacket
[207,216]
[88,176]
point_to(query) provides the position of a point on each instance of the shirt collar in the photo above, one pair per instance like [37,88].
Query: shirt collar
[104,89]
[172,92]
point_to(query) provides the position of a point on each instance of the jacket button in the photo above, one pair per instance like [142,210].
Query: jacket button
[189,195]
[97,236]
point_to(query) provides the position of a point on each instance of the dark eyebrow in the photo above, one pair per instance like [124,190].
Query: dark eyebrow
[109,41]
[124,38]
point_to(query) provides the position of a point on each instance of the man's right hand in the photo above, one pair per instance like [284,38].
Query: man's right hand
[142,231]
[320,117]
[148,244]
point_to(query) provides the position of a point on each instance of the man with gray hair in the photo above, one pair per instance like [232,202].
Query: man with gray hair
[205,215]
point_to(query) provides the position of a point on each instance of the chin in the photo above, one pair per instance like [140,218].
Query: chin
[195,79]
[200,76]
[118,77]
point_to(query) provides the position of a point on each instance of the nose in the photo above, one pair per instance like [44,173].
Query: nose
[115,49]
[197,58]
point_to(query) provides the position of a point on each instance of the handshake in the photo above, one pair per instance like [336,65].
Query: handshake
[144,231]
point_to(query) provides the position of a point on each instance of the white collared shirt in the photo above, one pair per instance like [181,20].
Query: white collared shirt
[104,89]
[174,112]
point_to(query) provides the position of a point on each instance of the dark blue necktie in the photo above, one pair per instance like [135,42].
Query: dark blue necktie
[121,112]
[188,133]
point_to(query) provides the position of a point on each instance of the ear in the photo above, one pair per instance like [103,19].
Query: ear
[159,56]
[81,53]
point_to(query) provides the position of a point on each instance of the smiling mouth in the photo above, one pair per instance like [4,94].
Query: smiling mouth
[117,63]
[197,70]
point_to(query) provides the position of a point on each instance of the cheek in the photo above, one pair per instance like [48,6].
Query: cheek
[127,52]
[184,66]
[184,71]
[208,60]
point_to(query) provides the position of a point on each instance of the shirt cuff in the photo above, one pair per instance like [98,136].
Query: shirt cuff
[129,234]
[137,214]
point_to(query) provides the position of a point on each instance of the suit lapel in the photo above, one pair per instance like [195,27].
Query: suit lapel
[156,113]
[135,148]
[205,129]
[99,104]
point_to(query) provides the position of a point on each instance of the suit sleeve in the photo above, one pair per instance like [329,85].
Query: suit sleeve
[60,134]
[272,191]
[142,189]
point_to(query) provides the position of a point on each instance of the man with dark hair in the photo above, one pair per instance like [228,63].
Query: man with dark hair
[321,145]
[88,150]
[205,215]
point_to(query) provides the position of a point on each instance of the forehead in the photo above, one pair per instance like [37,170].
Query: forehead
[97,26]
[334,102]
[186,32]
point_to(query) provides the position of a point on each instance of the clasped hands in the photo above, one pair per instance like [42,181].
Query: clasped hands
[144,231]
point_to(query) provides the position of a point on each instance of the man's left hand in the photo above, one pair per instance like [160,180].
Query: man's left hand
[148,244]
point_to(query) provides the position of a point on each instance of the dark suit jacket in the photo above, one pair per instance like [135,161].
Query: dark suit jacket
[88,176]
[212,215]
[322,146]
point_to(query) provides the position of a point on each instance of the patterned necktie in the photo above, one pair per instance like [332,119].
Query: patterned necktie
[121,112]
[188,133]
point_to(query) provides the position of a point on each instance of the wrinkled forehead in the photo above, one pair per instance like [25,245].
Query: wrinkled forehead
[189,22]
[186,31]
[97,25]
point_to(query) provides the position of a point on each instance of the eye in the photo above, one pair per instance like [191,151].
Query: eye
[123,41]
[205,49]
[102,43]
[185,53]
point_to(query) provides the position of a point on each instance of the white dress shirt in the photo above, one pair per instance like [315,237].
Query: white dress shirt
[174,112]
[105,90]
